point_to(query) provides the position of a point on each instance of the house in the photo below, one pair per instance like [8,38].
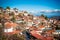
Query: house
[11,28]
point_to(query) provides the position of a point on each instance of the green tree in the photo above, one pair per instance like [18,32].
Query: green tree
[1,7]
[15,37]
[8,7]
[2,37]
[46,17]
[42,15]
[13,17]
[15,8]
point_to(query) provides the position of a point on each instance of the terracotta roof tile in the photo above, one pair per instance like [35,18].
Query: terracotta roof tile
[9,25]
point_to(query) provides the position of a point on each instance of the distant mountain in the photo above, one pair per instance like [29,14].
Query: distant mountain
[50,11]
[46,11]
[56,17]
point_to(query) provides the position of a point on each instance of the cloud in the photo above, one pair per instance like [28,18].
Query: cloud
[49,11]
[33,11]
[44,11]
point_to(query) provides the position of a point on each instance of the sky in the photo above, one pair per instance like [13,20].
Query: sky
[31,5]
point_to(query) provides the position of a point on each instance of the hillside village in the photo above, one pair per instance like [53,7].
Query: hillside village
[14,23]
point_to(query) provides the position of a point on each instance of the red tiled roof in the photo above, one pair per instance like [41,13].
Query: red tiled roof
[34,33]
[9,25]
[41,26]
